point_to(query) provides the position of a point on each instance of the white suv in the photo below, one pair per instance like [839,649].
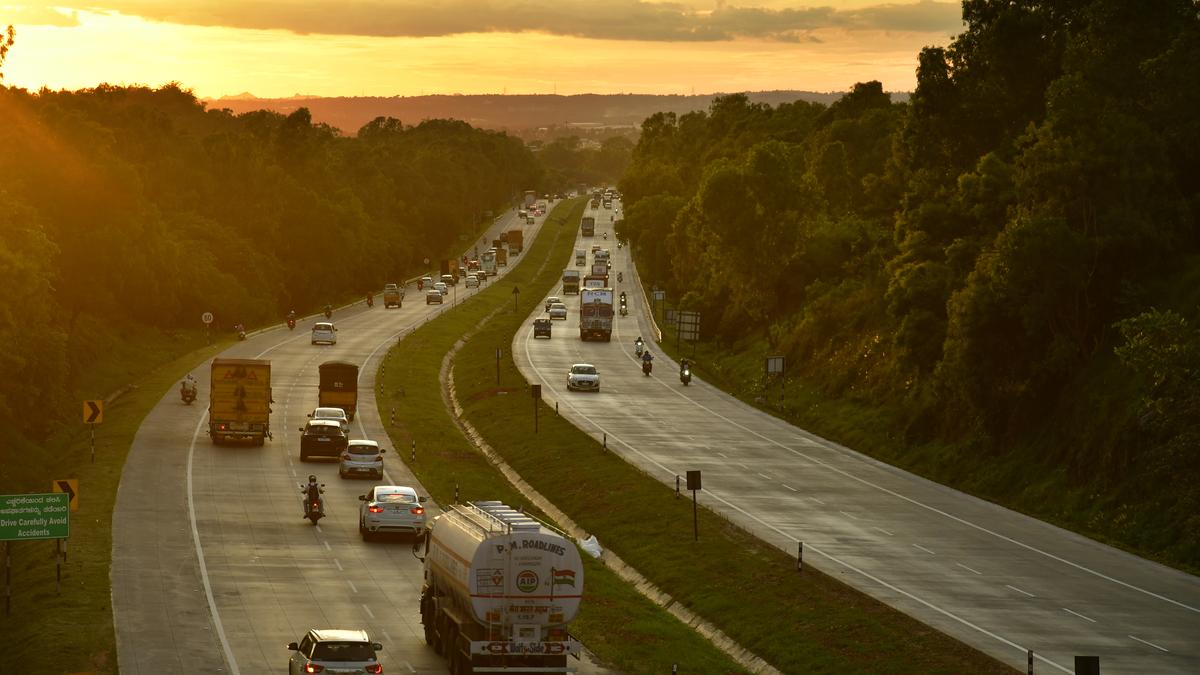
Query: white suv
[324,331]
[338,651]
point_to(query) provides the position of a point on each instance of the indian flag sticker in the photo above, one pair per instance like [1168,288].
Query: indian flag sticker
[564,578]
[527,581]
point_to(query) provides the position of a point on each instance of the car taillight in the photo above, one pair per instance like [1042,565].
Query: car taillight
[417,510]
[375,509]
[313,668]
[374,667]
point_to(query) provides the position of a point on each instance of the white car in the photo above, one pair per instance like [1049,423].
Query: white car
[472,281]
[334,651]
[391,508]
[441,287]
[558,311]
[551,301]
[583,377]
[362,458]
[433,296]
[332,414]
[324,331]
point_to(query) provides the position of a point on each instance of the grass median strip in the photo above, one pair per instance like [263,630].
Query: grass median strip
[750,590]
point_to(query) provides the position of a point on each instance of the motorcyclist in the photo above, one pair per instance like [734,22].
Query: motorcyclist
[370,299]
[621,278]
[240,330]
[312,493]
[291,315]
[684,365]
[638,345]
[647,358]
[328,311]
[187,386]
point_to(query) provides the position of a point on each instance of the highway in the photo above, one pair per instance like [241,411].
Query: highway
[1000,581]
[214,568]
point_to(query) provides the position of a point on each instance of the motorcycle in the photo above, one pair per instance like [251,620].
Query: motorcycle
[647,366]
[328,313]
[370,301]
[291,324]
[638,348]
[241,331]
[605,236]
[685,375]
[620,277]
[624,310]
[187,392]
[314,505]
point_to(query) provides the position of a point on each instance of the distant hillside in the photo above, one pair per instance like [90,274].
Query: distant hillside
[512,113]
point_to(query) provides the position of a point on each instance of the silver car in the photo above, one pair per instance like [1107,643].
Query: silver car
[323,331]
[331,414]
[558,311]
[583,377]
[334,651]
[391,508]
[362,458]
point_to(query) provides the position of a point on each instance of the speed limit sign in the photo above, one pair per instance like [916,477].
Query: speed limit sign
[206,317]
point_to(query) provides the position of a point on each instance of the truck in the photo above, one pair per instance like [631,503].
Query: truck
[595,313]
[516,241]
[338,386]
[570,279]
[450,266]
[530,198]
[392,295]
[502,257]
[588,226]
[487,262]
[580,257]
[500,590]
[600,269]
[239,398]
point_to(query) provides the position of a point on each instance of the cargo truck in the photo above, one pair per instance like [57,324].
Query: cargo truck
[450,266]
[516,241]
[595,313]
[392,295]
[338,386]
[239,407]
[570,279]
[580,257]
[530,198]
[500,591]
[588,226]
[502,257]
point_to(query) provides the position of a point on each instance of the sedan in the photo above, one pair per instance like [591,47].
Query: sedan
[433,296]
[558,311]
[441,287]
[552,300]
[583,377]
[391,508]
[336,414]
[323,331]
[472,281]
[362,458]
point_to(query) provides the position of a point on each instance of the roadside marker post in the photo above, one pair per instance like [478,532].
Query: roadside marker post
[693,484]
[799,556]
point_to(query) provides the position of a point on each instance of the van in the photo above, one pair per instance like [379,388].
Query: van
[580,257]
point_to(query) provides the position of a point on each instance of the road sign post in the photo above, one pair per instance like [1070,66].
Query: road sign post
[207,318]
[693,484]
[30,517]
[497,366]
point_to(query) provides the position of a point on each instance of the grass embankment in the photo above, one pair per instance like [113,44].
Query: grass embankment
[72,630]
[798,622]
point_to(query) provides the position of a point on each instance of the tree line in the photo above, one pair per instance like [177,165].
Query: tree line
[131,205]
[1009,258]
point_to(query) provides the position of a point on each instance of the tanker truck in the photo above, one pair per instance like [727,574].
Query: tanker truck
[500,590]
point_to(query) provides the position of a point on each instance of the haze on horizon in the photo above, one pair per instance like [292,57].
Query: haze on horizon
[279,48]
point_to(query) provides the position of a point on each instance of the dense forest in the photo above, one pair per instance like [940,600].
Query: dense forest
[1006,263]
[570,162]
[126,206]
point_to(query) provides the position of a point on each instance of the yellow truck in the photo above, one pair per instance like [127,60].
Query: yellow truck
[338,387]
[239,407]
[392,295]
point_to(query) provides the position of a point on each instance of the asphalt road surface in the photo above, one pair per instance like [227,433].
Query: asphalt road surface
[214,568]
[993,578]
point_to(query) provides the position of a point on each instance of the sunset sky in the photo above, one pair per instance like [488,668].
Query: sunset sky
[274,48]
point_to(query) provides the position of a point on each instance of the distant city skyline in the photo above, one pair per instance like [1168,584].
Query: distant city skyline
[280,48]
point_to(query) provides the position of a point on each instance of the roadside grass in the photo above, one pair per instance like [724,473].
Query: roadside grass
[72,630]
[798,622]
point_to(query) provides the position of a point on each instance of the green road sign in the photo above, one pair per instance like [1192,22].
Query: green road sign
[35,516]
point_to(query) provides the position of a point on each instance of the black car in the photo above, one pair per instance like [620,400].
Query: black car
[541,328]
[322,438]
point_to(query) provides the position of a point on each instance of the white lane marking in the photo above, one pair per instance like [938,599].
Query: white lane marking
[744,466]
[924,549]
[327,546]
[409,666]
[817,501]
[723,455]
[368,610]
[352,586]
[321,531]
[1134,637]
[208,592]
[385,634]
[1021,591]
[765,476]
[884,531]
[969,569]
[848,515]
[789,487]
[1085,618]
[826,445]
[339,565]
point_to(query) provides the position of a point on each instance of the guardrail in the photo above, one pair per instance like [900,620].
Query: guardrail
[647,308]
